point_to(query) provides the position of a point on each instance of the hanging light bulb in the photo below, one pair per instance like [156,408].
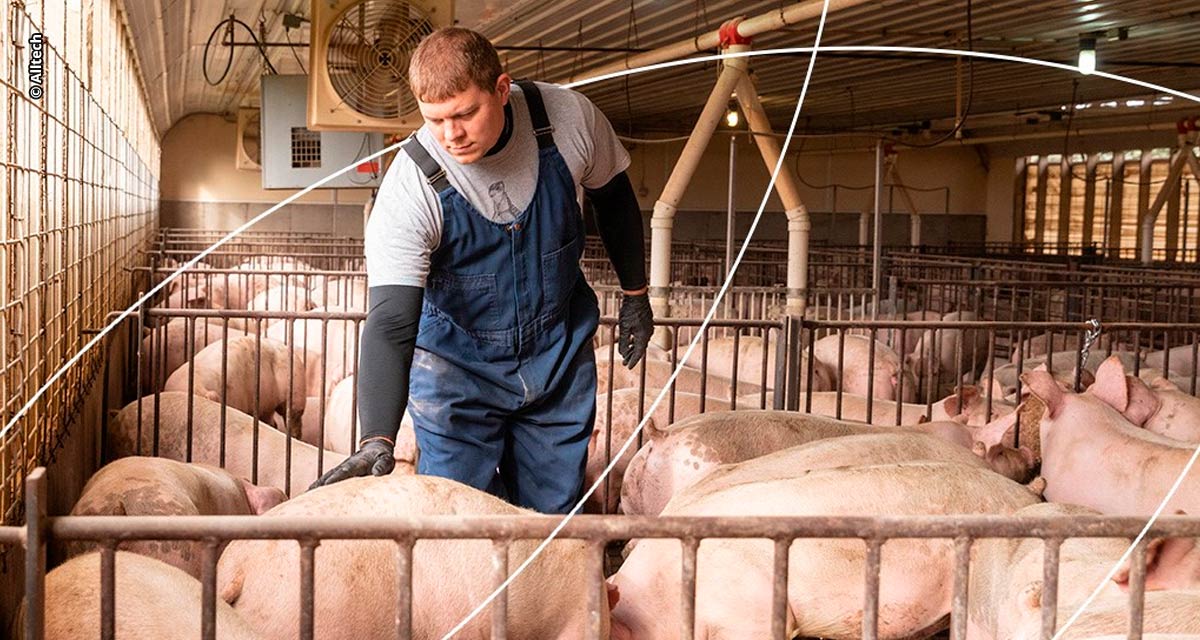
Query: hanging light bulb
[731,117]
[1087,55]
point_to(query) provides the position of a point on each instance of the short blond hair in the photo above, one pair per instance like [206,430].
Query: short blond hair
[449,60]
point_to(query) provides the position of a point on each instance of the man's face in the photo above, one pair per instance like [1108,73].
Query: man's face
[469,123]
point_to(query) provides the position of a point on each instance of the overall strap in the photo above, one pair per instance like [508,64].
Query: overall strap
[537,114]
[435,175]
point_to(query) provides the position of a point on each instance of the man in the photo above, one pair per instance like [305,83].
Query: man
[475,238]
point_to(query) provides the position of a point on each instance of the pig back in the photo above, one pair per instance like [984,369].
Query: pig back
[172,413]
[824,575]
[356,580]
[154,601]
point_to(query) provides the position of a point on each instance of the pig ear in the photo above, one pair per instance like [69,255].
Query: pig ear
[994,431]
[1110,385]
[262,499]
[1163,384]
[1016,468]
[1045,387]
[1143,403]
[912,361]
[969,394]
[1168,570]
[1153,551]
[1164,560]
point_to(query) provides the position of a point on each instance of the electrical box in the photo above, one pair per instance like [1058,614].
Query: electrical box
[294,157]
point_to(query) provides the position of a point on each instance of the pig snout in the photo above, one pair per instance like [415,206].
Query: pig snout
[1017,464]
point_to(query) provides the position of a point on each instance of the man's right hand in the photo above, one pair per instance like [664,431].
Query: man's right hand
[375,457]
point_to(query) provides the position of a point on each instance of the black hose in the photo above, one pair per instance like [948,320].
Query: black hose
[231,21]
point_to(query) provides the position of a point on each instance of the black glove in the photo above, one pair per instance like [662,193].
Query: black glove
[375,457]
[636,321]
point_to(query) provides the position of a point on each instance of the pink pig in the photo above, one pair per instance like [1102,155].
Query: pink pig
[1093,456]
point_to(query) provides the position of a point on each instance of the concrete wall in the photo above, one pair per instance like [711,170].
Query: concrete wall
[701,210]
[201,187]
[960,169]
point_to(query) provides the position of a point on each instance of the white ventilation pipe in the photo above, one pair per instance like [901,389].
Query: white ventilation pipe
[799,223]
[663,220]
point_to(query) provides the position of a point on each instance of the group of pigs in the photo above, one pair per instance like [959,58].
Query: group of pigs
[1115,448]
[304,367]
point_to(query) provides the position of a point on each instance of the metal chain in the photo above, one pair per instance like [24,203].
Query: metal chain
[1089,340]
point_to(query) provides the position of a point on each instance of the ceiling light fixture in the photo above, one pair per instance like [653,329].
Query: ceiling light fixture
[1087,55]
[731,117]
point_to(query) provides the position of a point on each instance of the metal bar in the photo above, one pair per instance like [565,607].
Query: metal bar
[1050,563]
[35,554]
[499,575]
[877,241]
[123,528]
[308,547]
[687,595]
[108,591]
[208,581]
[404,587]
[779,589]
[870,629]
[962,580]
[598,596]
[731,208]
[1137,589]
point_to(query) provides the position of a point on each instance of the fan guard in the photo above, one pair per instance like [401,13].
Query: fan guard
[367,56]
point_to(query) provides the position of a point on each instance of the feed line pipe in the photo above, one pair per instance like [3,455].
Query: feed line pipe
[1173,179]
[1183,157]
[663,219]
[741,28]
[799,223]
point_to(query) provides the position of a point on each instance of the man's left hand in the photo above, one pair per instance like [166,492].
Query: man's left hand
[636,325]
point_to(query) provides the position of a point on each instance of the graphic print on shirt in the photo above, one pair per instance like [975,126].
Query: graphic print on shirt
[502,206]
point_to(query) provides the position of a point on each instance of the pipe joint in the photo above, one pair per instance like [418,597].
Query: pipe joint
[728,33]
[798,219]
[663,217]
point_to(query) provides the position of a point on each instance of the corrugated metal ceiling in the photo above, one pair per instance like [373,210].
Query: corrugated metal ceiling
[849,92]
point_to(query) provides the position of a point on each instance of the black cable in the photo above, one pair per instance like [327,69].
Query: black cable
[231,21]
[288,37]
[374,175]
[207,44]
[970,94]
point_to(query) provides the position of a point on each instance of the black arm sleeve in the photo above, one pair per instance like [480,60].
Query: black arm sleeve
[386,353]
[619,220]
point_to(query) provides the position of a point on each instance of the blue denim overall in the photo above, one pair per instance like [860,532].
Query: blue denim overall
[503,384]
